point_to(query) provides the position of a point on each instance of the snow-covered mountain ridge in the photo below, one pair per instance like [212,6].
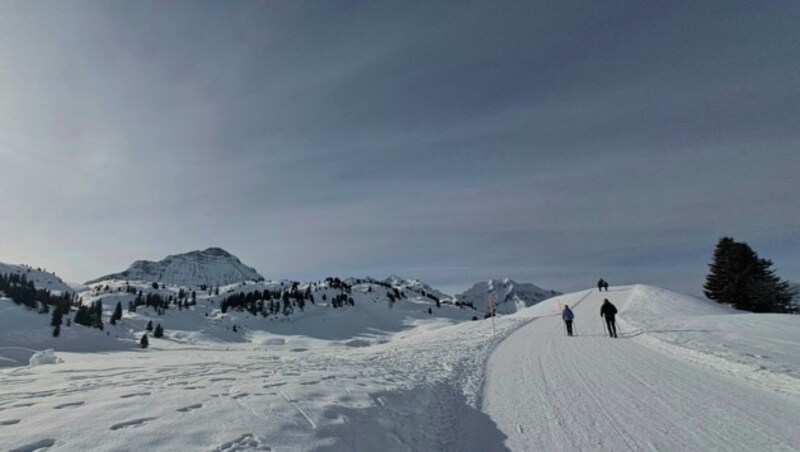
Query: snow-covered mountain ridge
[210,267]
[509,296]
[41,279]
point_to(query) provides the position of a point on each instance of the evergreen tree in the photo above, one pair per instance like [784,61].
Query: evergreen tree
[56,330]
[149,326]
[720,279]
[117,313]
[144,342]
[82,316]
[57,317]
[97,315]
[738,276]
[159,331]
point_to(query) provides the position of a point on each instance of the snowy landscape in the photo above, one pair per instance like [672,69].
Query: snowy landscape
[412,226]
[403,367]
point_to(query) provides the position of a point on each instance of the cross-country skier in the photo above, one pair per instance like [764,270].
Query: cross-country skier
[568,317]
[605,285]
[609,311]
[600,285]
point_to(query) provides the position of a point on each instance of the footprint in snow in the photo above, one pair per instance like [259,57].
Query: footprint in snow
[68,405]
[135,394]
[38,445]
[190,407]
[22,405]
[246,442]
[132,423]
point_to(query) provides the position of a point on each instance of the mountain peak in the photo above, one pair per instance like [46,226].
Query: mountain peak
[216,251]
[509,296]
[213,267]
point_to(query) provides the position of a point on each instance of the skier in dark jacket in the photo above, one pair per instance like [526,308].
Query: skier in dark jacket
[568,317]
[600,285]
[605,285]
[609,311]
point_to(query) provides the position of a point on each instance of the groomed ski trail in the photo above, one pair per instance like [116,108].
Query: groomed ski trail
[546,391]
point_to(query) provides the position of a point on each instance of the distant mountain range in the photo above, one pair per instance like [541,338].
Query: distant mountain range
[215,267]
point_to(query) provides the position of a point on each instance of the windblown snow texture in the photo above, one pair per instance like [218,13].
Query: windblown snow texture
[212,267]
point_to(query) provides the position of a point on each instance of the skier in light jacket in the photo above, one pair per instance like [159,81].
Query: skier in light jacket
[568,316]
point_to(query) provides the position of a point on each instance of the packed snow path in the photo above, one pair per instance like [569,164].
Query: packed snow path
[546,391]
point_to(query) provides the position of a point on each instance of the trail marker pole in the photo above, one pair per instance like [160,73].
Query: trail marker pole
[490,303]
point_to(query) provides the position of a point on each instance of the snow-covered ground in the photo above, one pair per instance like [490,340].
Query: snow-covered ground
[684,375]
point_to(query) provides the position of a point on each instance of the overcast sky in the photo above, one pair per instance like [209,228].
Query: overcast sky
[552,142]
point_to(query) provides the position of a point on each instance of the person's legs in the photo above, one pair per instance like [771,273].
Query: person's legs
[569,327]
[610,326]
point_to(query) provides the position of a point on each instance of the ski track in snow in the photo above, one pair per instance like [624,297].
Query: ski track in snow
[592,392]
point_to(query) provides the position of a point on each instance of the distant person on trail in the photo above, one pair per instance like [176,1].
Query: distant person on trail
[605,285]
[600,285]
[609,311]
[568,317]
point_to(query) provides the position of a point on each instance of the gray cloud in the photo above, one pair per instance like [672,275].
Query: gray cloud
[552,142]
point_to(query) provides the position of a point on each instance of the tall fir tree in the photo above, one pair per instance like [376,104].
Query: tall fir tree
[738,276]
[117,315]
[97,315]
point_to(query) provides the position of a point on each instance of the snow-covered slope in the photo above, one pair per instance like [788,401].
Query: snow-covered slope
[41,279]
[23,332]
[684,374]
[375,314]
[509,296]
[434,385]
[212,267]
[415,285]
